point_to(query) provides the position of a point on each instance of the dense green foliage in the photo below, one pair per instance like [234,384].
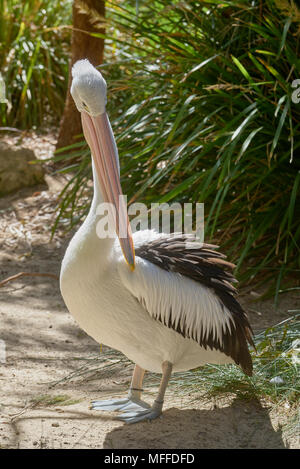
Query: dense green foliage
[200,101]
[34,48]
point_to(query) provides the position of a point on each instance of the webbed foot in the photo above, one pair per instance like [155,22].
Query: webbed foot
[127,405]
[134,416]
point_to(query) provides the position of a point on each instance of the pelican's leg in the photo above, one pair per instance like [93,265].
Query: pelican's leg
[135,389]
[132,402]
[137,415]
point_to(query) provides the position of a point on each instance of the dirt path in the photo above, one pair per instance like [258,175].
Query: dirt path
[44,345]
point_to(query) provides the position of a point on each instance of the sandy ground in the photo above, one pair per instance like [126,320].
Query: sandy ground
[44,345]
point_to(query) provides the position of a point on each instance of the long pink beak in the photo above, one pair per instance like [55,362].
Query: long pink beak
[99,136]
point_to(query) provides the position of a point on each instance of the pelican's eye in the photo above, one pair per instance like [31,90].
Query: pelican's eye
[84,105]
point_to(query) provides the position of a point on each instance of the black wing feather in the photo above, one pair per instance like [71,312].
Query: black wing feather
[182,254]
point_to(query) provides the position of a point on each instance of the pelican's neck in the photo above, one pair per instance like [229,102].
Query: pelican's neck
[97,197]
[99,246]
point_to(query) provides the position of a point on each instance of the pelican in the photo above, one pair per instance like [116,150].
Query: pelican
[165,301]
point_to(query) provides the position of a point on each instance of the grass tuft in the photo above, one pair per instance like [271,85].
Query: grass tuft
[47,400]
[275,374]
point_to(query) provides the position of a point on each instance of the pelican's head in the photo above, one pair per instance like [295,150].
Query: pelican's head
[88,88]
[89,93]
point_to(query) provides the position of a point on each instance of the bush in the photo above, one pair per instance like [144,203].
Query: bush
[34,48]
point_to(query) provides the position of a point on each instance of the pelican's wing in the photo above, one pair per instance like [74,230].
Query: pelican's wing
[185,286]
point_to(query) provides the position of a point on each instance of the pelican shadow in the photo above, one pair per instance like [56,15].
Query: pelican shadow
[240,425]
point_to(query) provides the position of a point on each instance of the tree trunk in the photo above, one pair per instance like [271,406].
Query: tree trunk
[87,18]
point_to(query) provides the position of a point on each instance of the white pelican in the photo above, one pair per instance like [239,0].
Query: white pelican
[164,301]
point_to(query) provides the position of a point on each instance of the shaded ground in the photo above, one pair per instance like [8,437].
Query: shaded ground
[44,345]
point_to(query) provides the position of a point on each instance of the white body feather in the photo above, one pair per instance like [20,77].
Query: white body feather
[106,298]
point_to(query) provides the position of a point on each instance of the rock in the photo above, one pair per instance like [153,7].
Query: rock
[16,169]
